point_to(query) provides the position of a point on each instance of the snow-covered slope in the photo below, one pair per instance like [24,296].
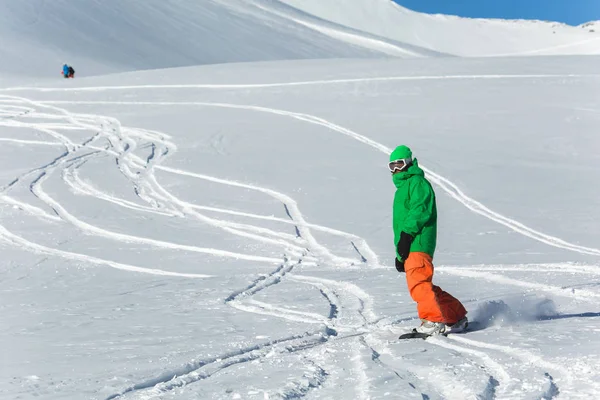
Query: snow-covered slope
[38,36]
[454,35]
[224,232]
[592,26]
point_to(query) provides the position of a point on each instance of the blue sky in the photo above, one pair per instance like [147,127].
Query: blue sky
[572,12]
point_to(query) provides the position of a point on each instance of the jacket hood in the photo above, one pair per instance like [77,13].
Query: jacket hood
[401,176]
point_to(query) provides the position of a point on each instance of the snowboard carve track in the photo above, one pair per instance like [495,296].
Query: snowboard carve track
[203,369]
[506,388]
[160,199]
[520,353]
[292,84]
[122,145]
[19,242]
[445,184]
[581,294]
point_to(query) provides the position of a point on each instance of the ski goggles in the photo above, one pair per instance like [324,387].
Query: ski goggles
[399,165]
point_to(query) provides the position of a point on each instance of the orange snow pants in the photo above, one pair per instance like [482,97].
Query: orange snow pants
[433,304]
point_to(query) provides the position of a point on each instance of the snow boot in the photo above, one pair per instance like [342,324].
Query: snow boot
[439,328]
[431,328]
[458,327]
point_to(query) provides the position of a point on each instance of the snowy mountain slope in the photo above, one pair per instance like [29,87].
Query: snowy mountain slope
[100,37]
[223,232]
[592,26]
[38,36]
[454,35]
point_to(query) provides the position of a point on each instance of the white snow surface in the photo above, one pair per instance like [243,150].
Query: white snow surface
[465,37]
[38,36]
[224,231]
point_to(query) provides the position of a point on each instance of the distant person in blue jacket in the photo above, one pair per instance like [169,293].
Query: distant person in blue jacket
[68,71]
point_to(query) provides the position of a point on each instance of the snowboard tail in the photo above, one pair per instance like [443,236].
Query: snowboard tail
[414,335]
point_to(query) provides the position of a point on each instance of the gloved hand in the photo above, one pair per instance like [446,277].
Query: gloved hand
[403,247]
[399,265]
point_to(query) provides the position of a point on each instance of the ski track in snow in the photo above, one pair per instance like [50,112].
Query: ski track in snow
[446,185]
[120,146]
[351,314]
[291,84]
[580,294]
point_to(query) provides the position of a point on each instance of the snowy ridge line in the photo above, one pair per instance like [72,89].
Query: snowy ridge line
[346,34]
[17,241]
[536,51]
[300,83]
[582,294]
[446,185]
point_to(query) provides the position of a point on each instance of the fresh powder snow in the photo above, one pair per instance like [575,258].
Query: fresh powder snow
[205,211]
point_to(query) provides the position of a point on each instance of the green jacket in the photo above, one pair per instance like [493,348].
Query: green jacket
[415,211]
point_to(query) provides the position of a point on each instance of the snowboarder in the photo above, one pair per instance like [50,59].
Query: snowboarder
[68,71]
[415,230]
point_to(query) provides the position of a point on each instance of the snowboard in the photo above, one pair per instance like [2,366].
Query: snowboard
[472,326]
[414,335]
